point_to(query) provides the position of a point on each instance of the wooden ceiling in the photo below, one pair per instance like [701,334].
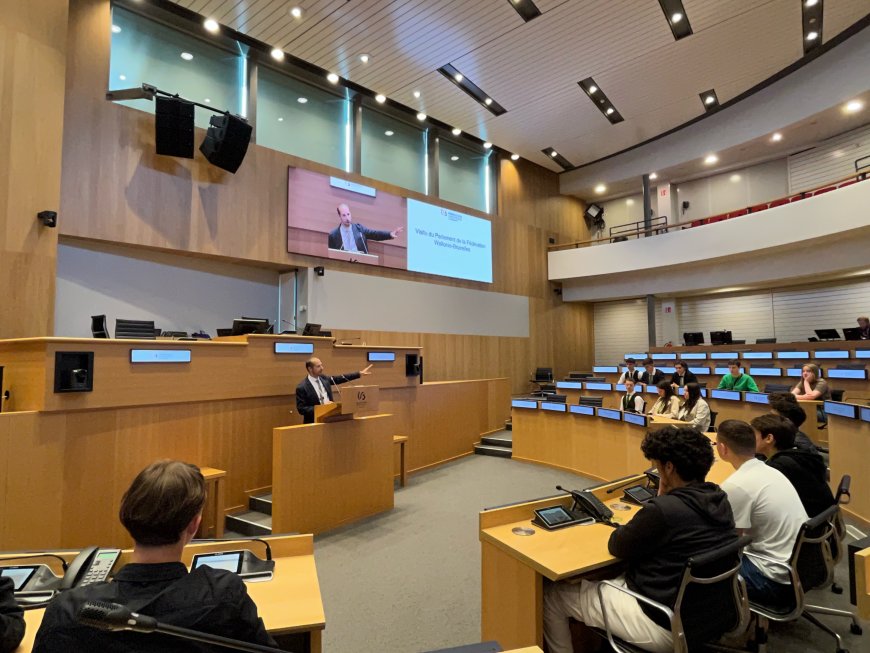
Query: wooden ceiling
[532,69]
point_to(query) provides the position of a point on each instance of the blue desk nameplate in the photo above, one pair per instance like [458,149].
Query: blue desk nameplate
[722,371]
[755,397]
[663,356]
[636,419]
[834,373]
[757,355]
[723,355]
[294,348]
[608,413]
[524,403]
[668,369]
[821,354]
[578,409]
[862,353]
[555,406]
[637,357]
[865,414]
[793,355]
[694,356]
[730,395]
[159,355]
[765,371]
[700,370]
[605,369]
[841,409]
[682,392]
[381,356]
[599,386]
[569,385]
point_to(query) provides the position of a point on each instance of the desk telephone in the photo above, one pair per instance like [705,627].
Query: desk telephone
[587,509]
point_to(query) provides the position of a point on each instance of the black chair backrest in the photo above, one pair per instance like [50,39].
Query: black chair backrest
[544,374]
[738,342]
[776,387]
[579,375]
[549,388]
[713,416]
[710,609]
[561,399]
[765,341]
[595,379]
[142,329]
[843,490]
[591,401]
[812,555]
[837,395]
[851,366]
[99,328]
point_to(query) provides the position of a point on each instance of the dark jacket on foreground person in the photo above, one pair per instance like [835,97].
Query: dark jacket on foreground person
[807,473]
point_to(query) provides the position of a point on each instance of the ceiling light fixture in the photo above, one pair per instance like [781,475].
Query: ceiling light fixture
[853,106]
[776,137]
[554,154]
[487,145]
[417,94]
[277,54]
[211,25]
[454,158]
[734,178]
[280,120]
[389,132]
[592,89]
[710,100]
[515,157]
[207,100]
[600,188]
[302,100]
[812,36]
[600,100]
[186,56]
[332,78]
[811,3]
[458,77]
[471,89]
[456,131]
[711,159]
[116,29]
[676,17]
[421,116]
[364,58]
[488,101]
[380,98]
[629,201]
[558,158]
[526,9]
[653,176]
[812,18]
[296,12]
[609,111]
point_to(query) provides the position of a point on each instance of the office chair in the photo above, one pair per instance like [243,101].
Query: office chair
[713,416]
[139,329]
[776,387]
[711,601]
[99,328]
[837,395]
[842,498]
[598,402]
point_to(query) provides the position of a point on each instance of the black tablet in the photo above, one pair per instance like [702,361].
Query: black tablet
[20,575]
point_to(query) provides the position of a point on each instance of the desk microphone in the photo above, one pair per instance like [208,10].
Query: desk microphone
[114,617]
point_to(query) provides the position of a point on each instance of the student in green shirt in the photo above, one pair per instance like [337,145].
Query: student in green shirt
[737,381]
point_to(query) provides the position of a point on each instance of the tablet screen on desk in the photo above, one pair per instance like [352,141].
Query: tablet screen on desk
[226,560]
[554,516]
[19,575]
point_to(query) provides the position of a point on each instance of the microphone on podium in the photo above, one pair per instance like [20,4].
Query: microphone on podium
[105,615]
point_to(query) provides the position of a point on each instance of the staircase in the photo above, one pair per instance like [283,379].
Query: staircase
[496,444]
[255,521]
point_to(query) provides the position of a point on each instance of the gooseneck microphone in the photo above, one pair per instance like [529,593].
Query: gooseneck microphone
[105,615]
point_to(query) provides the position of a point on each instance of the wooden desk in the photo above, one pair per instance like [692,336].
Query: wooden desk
[849,442]
[326,475]
[862,582]
[289,603]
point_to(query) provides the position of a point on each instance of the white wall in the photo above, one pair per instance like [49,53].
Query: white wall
[179,293]
[620,327]
[341,300]
[833,160]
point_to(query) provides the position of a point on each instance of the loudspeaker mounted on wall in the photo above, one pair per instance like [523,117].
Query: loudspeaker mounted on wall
[319,271]
[226,141]
[173,127]
[48,218]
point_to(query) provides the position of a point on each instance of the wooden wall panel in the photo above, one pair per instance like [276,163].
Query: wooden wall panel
[32,68]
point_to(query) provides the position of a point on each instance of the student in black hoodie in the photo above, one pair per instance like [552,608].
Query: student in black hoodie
[688,517]
[11,617]
[775,440]
[785,404]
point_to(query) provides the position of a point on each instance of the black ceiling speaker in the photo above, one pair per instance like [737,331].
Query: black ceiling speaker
[226,141]
[173,128]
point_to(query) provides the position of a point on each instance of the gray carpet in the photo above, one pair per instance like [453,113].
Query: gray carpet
[409,580]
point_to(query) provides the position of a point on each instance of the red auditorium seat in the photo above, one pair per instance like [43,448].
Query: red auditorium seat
[758,207]
[824,190]
[779,202]
[848,183]
[796,198]
[737,214]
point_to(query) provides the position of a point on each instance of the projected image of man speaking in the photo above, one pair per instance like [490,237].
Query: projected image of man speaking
[351,236]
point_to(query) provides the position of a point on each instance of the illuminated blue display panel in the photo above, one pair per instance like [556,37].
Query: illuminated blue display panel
[651,389]
[159,355]
[607,413]
[663,357]
[830,353]
[569,385]
[582,410]
[605,369]
[523,403]
[722,371]
[794,371]
[294,348]
[619,387]
[723,355]
[730,395]
[634,418]
[793,355]
[682,392]
[381,356]
[847,374]
[599,386]
[638,357]
[557,407]
[758,355]
[765,371]
[694,356]
[755,397]
[865,414]
[700,370]
[668,370]
[843,410]
[862,353]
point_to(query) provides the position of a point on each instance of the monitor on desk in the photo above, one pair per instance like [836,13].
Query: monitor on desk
[694,356]
[852,333]
[720,338]
[245,325]
[842,410]
[580,409]
[311,329]
[544,374]
[692,338]
[757,355]
[827,334]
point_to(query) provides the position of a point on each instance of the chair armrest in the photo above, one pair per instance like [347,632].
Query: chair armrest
[640,597]
[792,573]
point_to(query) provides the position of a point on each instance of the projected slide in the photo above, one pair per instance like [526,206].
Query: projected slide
[334,218]
[449,243]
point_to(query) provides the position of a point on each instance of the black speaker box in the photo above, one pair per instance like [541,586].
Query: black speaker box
[173,127]
[226,141]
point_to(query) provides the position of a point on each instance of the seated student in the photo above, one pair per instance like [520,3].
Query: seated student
[688,517]
[864,326]
[632,401]
[682,376]
[695,409]
[774,439]
[11,617]
[785,404]
[630,372]
[162,510]
[651,376]
[765,506]
[736,380]
[668,403]
[811,387]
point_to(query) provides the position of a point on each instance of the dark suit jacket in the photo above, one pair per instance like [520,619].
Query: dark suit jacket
[657,376]
[361,234]
[306,395]
[11,617]
[688,378]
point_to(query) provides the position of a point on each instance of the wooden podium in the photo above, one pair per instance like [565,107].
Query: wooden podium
[350,400]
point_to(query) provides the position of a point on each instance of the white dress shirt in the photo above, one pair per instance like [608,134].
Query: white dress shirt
[348,242]
[319,389]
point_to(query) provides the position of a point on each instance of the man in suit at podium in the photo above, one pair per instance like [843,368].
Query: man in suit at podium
[316,388]
[351,236]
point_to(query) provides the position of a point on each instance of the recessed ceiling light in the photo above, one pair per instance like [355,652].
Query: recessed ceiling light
[709,99]
[711,159]
[456,131]
[609,111]
[488,101]
[454,158]
[364,58]
[676,17]
[380,98]
[854,106]
[458,77]
[487,145]
[554,153]
[211,25]
[296,12]
[417,94]
[186,56]
[122,77]
[332,78]
[389,132]
[812,36]
[811,3]
[277,54]
[421,116]
[734,178]
[515,157]
[116,29]
[653,175]
[302,100]
[600,188]
[207,100]
[776,137]
[592,89]
[629,201]
[280,120]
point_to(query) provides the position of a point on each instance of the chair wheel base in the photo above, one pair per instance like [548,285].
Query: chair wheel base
[856,629]
[836,589]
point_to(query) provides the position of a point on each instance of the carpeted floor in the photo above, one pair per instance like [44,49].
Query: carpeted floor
[409,580]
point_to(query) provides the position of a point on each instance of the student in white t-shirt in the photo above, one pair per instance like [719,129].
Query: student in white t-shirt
[766,506]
